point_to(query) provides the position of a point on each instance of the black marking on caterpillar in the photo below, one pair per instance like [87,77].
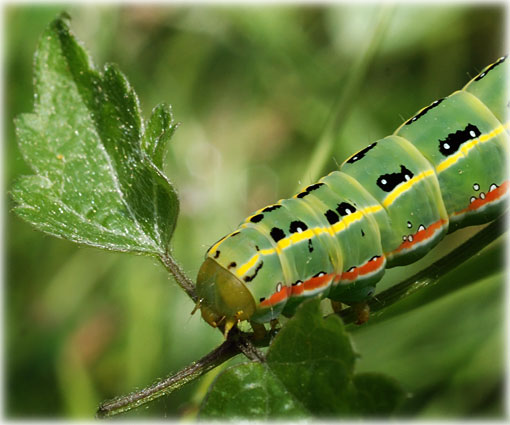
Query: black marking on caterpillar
[271,208]
[297,226]
[452,142]
[232,265]
[277,234]
[390,181]
[250,278]
[490,68]
[217,253]
[310,245]
[357,156]
[345,208]
[257,218]
[424,111]
[332,217]
[309,189]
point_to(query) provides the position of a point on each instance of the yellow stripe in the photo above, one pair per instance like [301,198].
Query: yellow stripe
[465,148]
[308,234]
[217,244]
[247,266]
[400,189]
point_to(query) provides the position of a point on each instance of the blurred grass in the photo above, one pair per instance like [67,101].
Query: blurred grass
[253,87]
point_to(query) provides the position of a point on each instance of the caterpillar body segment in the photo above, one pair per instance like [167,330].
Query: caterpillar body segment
[387,205]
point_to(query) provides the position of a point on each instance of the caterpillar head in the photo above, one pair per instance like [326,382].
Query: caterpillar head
[224,300]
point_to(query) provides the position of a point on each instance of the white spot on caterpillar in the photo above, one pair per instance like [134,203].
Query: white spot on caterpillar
[279,287]
[408,177]
[476,186]
[299,230]
[446,146]
[409,224]
[383,181]
[404,238]
[482,195]
[493,187]
[472,134]
[410,238]
[321,274]
[472,199]
[421,227]
[482,75]
[348,211]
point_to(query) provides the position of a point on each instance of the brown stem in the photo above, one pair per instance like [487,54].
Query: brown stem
[196,369]
[180,276]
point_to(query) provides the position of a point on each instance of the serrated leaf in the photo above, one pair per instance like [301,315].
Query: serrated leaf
[98,180]
[159,131]
[312,360]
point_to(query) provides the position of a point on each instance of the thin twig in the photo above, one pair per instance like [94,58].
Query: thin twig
[246,346]
[180,276]
[343,103]
[196,369]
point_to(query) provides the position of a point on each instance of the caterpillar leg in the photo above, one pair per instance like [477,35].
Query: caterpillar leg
[362,312]
[259,331]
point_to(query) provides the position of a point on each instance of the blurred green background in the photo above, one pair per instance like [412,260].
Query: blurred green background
[253,88]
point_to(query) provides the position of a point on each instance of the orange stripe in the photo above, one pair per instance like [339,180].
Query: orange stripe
[495,195]
[317,282]
[367,268]
[352,275]
[277,297]
[371,266]
[421,236]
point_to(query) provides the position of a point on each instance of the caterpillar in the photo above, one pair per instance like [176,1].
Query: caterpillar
[387,205]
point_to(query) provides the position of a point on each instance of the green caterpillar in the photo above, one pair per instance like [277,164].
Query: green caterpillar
[388,205]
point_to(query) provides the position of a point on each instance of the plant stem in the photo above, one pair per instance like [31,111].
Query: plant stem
[343,104]
[180,276]
[196,369]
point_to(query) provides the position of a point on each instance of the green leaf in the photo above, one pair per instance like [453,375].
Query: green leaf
[97,172]
[376,395]
[314,358]
[252,391]
[309,371]
[159,131]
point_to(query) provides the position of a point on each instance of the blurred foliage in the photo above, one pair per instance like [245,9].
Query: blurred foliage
[252,87]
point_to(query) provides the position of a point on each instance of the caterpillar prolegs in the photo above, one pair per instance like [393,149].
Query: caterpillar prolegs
[387,205]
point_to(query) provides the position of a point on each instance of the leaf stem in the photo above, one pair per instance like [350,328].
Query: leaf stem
[180,276]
